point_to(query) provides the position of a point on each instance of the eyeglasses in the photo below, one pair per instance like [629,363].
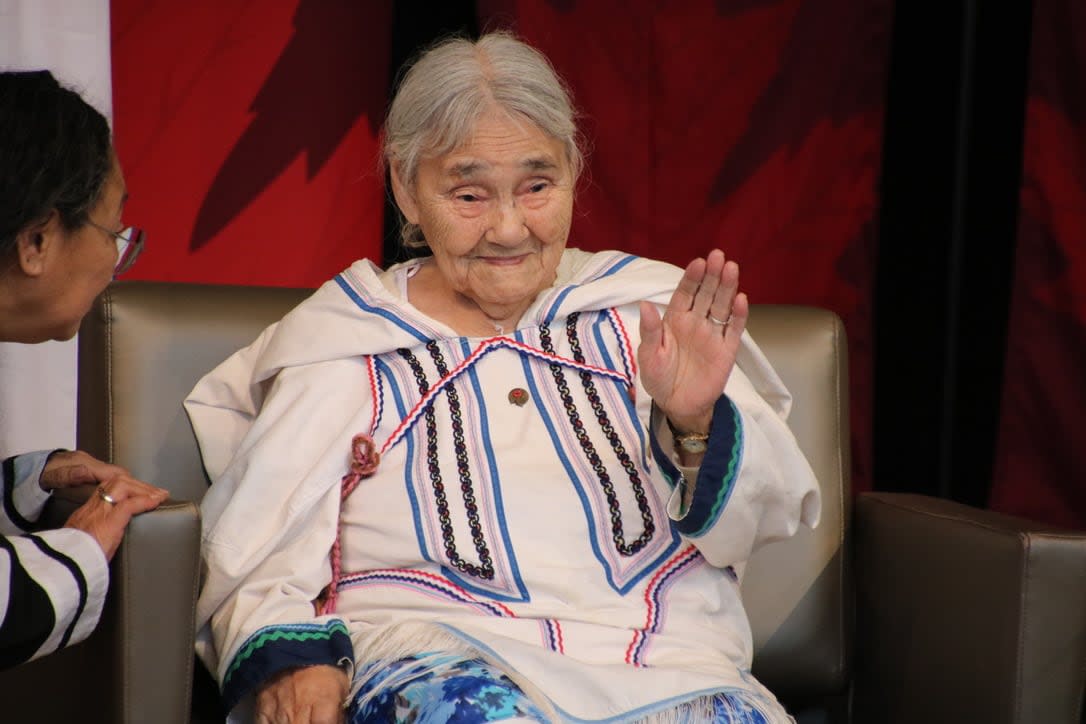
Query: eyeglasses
[130,243]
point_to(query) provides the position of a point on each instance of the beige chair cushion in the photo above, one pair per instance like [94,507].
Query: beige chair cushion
[797,592]
[142,349]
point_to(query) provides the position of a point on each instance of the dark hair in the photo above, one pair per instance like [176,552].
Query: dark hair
[55,153]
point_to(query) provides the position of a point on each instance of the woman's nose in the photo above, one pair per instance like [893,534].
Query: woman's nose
[507,224]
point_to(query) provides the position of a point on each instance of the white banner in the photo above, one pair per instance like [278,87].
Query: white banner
[70,38]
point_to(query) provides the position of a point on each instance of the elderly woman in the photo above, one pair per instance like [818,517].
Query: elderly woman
[506,481]
[61,200]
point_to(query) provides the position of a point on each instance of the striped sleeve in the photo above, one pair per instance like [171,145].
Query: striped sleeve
[52,584]
[52,588]
[22,498]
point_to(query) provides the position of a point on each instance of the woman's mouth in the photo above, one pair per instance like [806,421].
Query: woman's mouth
[503,260]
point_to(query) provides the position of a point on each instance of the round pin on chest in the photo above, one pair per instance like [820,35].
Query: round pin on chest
[518,396]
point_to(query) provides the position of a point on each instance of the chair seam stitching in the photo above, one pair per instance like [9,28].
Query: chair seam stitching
[843,585]
[190,667]
[109,376]
[128,636]
[1022,616]
[111,448]
[1070,535]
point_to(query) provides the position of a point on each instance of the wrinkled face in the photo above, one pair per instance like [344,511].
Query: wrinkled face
[496,211]
[84,262]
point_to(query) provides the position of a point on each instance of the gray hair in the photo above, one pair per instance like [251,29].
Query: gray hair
[451,85]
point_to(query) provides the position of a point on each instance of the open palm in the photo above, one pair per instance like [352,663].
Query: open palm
[687,355]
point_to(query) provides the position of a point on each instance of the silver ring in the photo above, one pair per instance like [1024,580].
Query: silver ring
[720,322]
[106,496]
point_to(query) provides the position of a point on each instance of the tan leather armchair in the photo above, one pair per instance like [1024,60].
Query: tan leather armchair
[898,608]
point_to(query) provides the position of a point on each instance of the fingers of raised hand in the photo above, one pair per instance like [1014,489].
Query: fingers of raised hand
[683,298]
[737,318]
[708,291]
[720,306]
[711,288]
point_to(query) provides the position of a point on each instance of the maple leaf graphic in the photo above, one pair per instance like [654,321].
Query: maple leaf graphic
[816,61]
[308,103]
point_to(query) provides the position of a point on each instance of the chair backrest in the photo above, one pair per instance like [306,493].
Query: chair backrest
[141,350]
[798,592]
[146,344]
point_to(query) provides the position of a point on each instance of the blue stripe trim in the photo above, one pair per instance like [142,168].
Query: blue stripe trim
[596,324]
[364,306]
[449,592]
[409,456]
[655,564]
[607,271]
[718,471]
[603,322]
[452,574]
[556,441]
[594,525]
[495,487]
[549,317]
[275,648]
[614,269]
[658,593]
[672,474]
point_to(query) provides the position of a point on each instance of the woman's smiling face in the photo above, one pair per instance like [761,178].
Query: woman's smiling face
[495,211]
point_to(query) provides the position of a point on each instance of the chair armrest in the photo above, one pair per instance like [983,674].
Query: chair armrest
[146,636]
[155,585]
[966,615]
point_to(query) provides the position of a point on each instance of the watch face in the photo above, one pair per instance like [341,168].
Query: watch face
[693,445]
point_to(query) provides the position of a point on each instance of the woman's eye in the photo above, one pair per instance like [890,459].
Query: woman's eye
[467,197]
[538,187]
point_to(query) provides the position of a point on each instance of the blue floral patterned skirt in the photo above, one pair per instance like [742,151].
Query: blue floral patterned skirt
[452,689]
[442,689]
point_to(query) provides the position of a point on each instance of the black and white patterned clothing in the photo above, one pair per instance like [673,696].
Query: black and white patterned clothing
[52,583]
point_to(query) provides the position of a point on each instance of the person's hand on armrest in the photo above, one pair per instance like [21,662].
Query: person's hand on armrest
[119,496]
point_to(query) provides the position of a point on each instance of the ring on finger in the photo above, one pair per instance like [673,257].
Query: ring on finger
[106,496]
[720,322]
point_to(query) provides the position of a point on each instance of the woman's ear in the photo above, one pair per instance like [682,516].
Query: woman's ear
[37,243]
[404,198]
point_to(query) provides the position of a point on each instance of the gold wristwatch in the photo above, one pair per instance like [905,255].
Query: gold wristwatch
[694,443]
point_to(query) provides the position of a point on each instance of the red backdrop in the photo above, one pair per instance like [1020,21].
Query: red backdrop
[248,130]
[754,126]
[1039,471]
